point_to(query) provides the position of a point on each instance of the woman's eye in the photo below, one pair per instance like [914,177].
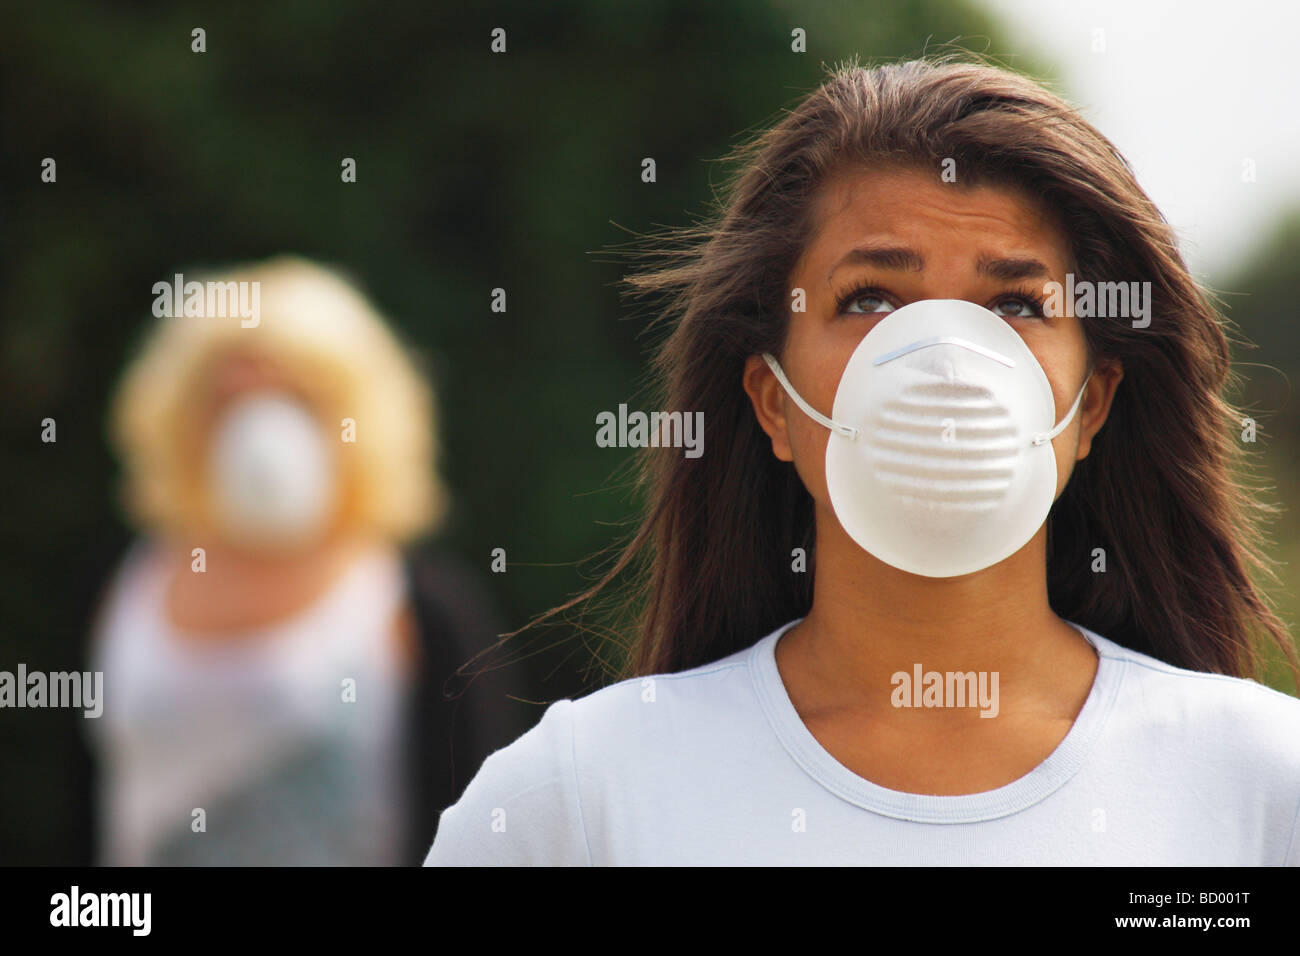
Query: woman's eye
[1017,309]
[869,303]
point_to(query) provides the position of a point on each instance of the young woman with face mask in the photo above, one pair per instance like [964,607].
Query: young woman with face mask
[961,578]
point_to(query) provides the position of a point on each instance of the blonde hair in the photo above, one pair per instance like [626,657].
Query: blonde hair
[317,329]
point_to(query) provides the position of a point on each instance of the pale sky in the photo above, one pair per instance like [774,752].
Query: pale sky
[1187,90]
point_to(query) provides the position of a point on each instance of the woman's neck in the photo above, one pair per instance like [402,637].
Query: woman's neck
[239,591]
[870,621]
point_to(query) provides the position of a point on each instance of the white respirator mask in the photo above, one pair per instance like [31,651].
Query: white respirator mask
[272,473]
[940,457]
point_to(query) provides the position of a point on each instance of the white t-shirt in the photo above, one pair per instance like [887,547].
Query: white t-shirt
[255,731]
[1162,766]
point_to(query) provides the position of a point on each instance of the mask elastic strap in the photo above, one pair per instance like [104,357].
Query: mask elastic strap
[847,431]
[1045,437]
[850,432]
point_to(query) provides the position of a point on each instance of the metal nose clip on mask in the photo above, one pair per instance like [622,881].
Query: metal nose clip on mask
[940,459]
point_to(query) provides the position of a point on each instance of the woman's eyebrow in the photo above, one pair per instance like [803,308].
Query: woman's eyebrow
[902,259]
[898,258]
[1012,268]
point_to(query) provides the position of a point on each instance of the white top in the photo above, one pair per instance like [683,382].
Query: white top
[713,766]
[258,732]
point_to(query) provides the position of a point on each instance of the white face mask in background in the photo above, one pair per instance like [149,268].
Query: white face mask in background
[940,458]
[272,472]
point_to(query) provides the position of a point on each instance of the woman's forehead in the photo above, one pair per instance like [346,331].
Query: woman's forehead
[912,204]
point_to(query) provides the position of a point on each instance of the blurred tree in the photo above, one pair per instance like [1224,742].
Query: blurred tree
[1262,298]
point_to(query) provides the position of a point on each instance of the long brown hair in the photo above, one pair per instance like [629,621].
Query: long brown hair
[708,571]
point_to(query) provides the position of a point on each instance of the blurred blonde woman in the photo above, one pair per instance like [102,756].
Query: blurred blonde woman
[274,655]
